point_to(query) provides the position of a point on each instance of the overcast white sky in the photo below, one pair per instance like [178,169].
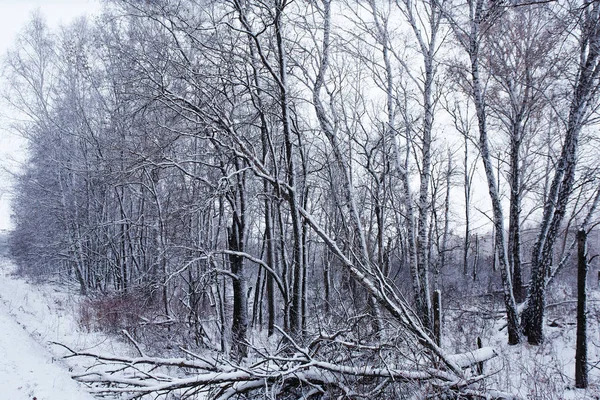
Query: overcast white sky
[14,14]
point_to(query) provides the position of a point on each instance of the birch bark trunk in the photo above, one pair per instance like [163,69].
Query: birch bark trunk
[582,101]
[514,335]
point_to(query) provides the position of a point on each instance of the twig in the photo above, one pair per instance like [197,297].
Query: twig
[136,344]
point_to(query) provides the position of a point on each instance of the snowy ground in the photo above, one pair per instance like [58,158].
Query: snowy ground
[30,318]
[545,372]
[30,371]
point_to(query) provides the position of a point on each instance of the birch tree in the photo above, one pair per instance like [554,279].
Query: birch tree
[523,59]
[582,101]
[470,38]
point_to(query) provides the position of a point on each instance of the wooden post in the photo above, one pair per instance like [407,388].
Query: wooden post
[581,370]
[479,364]
[437,316]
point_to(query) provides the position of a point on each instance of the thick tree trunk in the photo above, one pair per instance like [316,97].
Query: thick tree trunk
[236,242]
[239,348]
[514,224]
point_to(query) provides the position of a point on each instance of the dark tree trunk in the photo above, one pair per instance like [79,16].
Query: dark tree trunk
[437,317]
[467,189]
[514,227]
[293,201]
[476,260]
[256,309]
[271,263]
[235,238]
[581,370]
[239,348]
[480,364]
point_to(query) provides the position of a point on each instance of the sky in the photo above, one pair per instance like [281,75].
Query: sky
[14,14]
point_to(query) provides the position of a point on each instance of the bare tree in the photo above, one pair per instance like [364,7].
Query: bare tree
[470,38]
[582,102]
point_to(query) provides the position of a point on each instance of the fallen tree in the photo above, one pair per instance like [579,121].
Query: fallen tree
[329,366]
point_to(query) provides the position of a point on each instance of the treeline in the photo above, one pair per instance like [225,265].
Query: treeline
[305,164]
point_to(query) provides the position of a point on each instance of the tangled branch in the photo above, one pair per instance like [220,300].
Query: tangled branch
[293,372]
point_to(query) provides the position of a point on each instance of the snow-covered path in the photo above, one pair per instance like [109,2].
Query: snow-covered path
[28,370]
[31,316]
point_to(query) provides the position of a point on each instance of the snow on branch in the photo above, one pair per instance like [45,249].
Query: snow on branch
[473,357]
[297,371]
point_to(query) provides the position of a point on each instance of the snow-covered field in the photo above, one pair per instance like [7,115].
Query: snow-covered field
[31,317]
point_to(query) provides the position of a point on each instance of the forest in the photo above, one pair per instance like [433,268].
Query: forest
[311,198]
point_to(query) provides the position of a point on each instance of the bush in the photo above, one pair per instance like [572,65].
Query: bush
[113,312]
